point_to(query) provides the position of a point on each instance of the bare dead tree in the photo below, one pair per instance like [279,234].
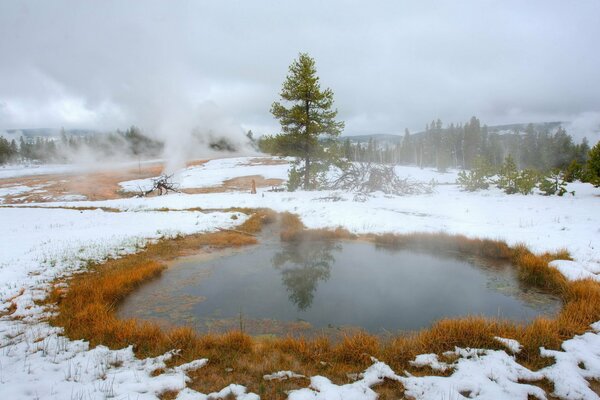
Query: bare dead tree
[368,178]
[161,185]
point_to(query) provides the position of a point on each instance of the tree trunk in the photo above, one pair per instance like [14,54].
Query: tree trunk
[307,148]
[307,172]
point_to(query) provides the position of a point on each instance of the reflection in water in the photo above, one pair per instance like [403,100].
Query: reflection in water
[302,266]
[311,287]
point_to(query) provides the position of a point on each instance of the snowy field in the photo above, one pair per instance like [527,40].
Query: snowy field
[215,173]
[40,244]
[15,171]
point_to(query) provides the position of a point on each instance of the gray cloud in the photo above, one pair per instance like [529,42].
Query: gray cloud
[161,65]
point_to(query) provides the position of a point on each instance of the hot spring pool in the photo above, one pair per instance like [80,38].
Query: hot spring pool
[332,286]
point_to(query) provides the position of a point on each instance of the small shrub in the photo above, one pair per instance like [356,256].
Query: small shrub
[512,181]
[574,172]
[552,184]
[593,166]
[478,177]
[507,179]
[294,179]
[526,180]
[472,181]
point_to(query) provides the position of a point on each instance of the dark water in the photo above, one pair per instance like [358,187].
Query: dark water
[275,288]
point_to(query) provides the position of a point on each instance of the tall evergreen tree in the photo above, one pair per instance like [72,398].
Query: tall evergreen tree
[407,153]
[472,141]
[308,117]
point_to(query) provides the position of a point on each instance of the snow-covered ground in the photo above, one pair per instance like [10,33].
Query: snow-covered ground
[40,244]
[13,190]
[215,172]
[19,170]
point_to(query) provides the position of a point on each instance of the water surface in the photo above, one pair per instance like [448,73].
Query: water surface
[328,286]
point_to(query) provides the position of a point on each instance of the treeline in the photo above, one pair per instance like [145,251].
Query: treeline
[67,148]
[459,146]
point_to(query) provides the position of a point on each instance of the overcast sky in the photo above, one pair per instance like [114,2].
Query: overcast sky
[171,65]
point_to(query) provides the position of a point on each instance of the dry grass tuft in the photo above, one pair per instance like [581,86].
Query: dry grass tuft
[291,226]
[87,308]
[256,221]
[307,350]
[444,242]
[357,349]
[292,229]
[534,269]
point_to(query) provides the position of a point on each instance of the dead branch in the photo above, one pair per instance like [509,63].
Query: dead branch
[162,185]
[368,178]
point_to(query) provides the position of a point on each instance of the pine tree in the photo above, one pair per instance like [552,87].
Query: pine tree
[593,165]
[471,143]
[308,117]
[508,176]
[407,153]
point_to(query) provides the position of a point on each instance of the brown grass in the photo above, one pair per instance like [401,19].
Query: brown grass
[291,226]
[104,184]
[256,221]
[292,229]
[240,183]
[95,185]
[86,311]
[533,268]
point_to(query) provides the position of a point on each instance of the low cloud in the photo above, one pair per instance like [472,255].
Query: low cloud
[191,70]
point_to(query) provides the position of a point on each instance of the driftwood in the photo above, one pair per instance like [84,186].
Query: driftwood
[162,185]
[368,178]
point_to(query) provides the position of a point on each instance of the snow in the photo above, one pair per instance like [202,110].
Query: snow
[510,344]
[282,375]
[431,360]
[237,391]
[20,170]
[13,190]
[72,197]
[544,223]
[575,270]
[215,172]
[579,360]
[481,374]
[40,244]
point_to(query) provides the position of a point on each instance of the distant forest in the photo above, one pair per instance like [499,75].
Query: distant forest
[44,147]
[130,143]
[459,146]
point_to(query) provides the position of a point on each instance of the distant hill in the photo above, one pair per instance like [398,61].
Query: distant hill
[388,138]
[538,126]
[379,137]
[45,132]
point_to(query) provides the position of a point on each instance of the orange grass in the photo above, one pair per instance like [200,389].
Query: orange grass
[292,229]
[87,311]
[255,222]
